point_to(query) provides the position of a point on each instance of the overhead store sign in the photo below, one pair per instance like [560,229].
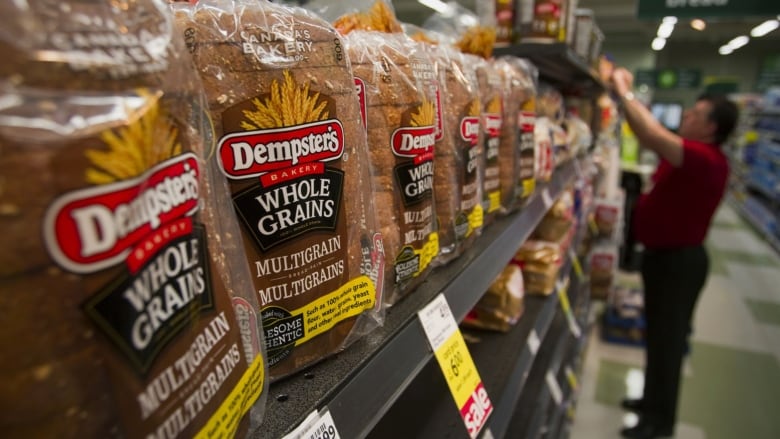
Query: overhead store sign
[656,9]
[669,78]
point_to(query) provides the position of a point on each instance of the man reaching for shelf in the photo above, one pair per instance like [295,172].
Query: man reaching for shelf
[672,221]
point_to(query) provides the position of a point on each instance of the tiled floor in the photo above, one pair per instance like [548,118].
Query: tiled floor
[731,384]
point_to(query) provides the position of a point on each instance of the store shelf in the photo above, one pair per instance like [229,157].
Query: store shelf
[559,65]
[758,225]
[362,383]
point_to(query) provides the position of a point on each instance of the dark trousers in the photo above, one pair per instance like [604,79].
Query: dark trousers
[673,280]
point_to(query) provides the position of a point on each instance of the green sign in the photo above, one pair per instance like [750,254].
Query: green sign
[655,9]
[769,74]
[669,78]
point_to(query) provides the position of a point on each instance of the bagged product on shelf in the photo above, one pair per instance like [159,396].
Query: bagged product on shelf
[608,216]
[502,305]
[540,262]
[289,136]
[398,94]
[126,301]
[459,156]
[517,149]
[603,263]
[491,97]
[545,21]
[559,219]
[543,145]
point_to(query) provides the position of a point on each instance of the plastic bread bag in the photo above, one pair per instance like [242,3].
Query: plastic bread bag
[540,262]
[517,150]
[502,304]
[459,158]
[290,139]
[397,80]
[125,299]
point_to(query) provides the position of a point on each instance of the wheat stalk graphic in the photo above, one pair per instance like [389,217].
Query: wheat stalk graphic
[425,115]
[289,104]
[136,147]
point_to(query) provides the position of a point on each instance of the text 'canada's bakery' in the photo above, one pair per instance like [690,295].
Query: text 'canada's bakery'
[287,43]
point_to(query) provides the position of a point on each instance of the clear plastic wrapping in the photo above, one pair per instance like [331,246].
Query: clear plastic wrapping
[125,300]
[289,136]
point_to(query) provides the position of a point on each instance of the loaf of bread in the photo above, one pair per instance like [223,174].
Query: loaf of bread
[499,162]
[291,141]
[122,293]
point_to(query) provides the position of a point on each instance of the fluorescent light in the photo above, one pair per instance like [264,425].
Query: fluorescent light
[698,24]
[658,43]
[672,20]
[438,6]
[725,50]
[738,42]
[665,29]
[764,28]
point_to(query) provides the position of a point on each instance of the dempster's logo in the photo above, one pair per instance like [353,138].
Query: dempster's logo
[469,129]
[253,153]
[94,228]
[493,124]
[413,141]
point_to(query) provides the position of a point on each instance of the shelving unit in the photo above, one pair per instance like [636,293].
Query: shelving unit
[360,385]
[367,386]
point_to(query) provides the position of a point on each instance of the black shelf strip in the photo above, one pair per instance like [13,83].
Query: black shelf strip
[362,383]
[558,64]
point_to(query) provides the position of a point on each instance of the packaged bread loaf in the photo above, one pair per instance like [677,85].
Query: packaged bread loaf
[459,158]
[397,80]
[125,300]
[291,141]
[496,177]
[502,304]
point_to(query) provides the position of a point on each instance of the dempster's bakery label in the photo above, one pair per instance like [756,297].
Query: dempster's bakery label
[413,146]
[288,189]
[471,205]
[136,236]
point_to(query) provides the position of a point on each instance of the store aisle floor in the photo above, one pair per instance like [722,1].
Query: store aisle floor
[731,383]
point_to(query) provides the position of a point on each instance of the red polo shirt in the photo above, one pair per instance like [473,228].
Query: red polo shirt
[678,209]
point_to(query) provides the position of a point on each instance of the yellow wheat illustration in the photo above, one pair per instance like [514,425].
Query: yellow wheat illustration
[289,104]
[494,106]
[425,115]
[379,18]
[474,109]
[136,147]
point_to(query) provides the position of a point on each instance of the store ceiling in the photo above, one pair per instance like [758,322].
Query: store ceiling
[617,18]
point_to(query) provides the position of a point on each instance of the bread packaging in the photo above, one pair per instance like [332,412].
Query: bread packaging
[289,137]
[397,83]
[502,304]
[125,300]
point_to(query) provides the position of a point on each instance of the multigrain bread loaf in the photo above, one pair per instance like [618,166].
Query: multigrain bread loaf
[121,291]
[499,162]
[398,79]
[290,139]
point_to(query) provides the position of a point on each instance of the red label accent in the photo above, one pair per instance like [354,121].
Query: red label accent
[476,410]
[253,153]
[156,241]
[360,87]
[94,228]
[469,129]
[526,120]
[292,173]
[439,116]
[493,124]
[413,141]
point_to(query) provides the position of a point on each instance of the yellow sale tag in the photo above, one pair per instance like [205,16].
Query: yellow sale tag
[563,298]
[575,263]
[456,363]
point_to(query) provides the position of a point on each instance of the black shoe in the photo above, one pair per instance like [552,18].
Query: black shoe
[634,405]
[646,430]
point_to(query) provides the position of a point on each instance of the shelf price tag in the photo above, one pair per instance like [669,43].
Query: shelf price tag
[575,263]
[563,298]
[554,387]
[547,198]
[572,378]
[456,363]
[318,425]
[533,342]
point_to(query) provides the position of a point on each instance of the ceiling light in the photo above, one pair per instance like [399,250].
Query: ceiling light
[665,29]
[672,20]
[698,24]
[438,6]
[725,50]
[738,42]
[658,43]
[764,28]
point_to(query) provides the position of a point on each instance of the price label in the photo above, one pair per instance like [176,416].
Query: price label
[318,425]
[594,228]
[575,263]
[572,378]
[555,388]
[547,198]
[563,299]
[456,364]
[533,342]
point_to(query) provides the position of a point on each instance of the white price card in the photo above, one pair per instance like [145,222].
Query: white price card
[575,263]
[555,388]
[547,198]
[456,364]
[563,298]
[533,342]
[318,425]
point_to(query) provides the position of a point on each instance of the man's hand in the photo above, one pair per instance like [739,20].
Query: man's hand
[622,80]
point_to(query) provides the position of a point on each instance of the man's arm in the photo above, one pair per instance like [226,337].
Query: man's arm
[650,133]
